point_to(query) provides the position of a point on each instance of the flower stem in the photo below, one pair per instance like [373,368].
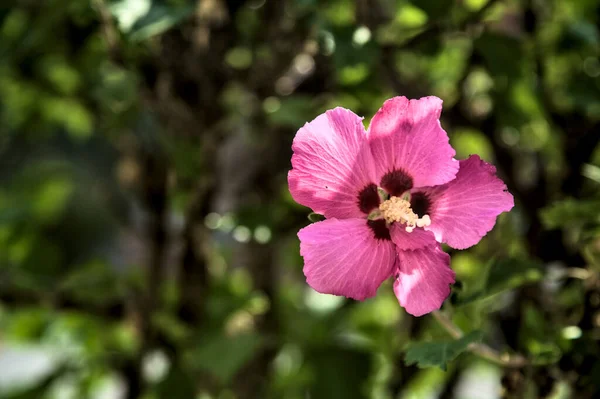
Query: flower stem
[480,349]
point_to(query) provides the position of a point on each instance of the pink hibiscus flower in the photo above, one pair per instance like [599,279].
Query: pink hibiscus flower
[390,196]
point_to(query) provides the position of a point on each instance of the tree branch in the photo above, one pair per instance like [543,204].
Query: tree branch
[480,349]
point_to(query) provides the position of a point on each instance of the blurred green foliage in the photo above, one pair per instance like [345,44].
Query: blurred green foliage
[148,241]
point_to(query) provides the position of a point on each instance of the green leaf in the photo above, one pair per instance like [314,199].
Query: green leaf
[434,8]
[92,282]
[439,353]
[14,214]
[315,217]
[292,111]
[582,32]
[502,55]
[177,385]
[339,373]
[540,336]
[223,356]
[502,275]
[570,211]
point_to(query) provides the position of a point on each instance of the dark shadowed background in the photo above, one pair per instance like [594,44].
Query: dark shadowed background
[148,241]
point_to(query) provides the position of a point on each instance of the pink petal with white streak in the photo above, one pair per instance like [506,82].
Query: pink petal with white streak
[424,278]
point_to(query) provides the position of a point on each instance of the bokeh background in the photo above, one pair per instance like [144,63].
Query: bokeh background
[148,241]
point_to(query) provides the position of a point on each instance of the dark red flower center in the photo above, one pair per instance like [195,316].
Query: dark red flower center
[380,230]
[368,198]
[396,182]
[420,203]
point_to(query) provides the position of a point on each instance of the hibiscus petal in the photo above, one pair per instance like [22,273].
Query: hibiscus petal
[465,210]
[424,278]
[342,257]
[331,164]
[416,239]
[406,135]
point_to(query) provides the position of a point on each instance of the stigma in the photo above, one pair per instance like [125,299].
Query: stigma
[397,209]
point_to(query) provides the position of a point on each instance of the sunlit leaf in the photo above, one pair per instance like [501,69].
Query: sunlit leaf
[353,74]
[474,5]
[142,19]
[36,374]
[410,16]
[239,57]
[51,198]
[128,12]
[339,12]
[470,141]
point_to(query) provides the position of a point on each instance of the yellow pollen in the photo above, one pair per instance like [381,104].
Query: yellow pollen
[398,210]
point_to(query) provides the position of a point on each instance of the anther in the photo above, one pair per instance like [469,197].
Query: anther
[397,209]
